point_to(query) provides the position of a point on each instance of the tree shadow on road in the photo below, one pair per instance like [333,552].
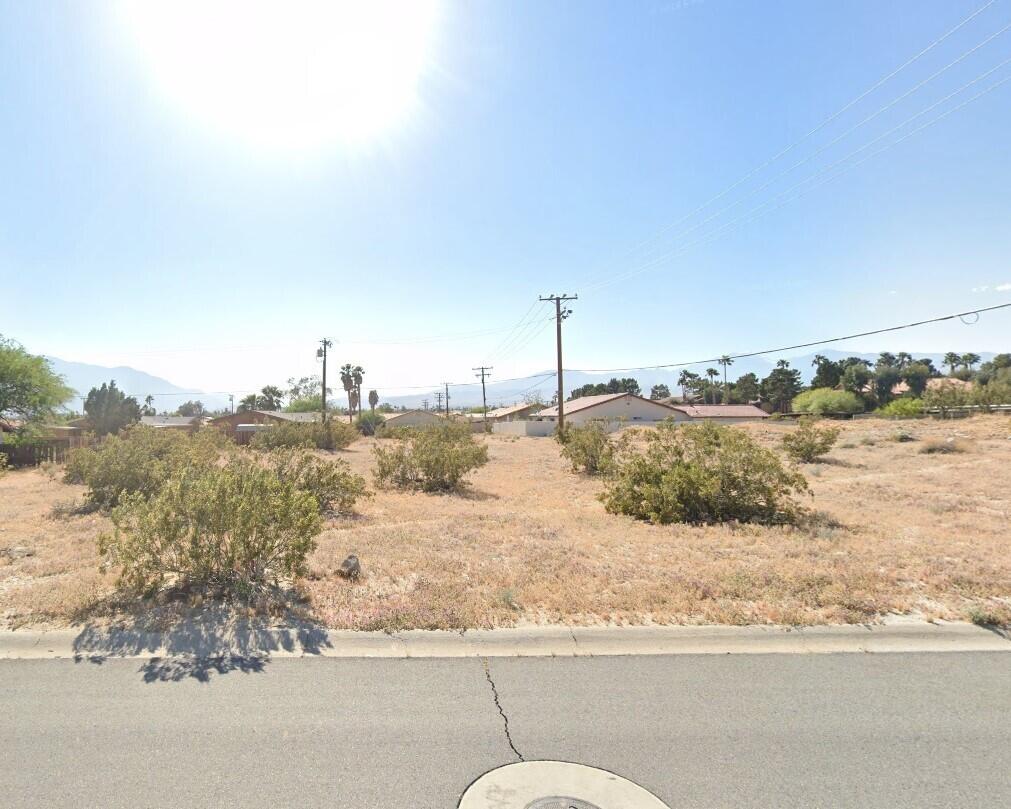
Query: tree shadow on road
[197,645]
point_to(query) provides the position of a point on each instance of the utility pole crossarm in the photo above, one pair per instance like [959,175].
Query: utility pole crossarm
[483,371]
[560,315]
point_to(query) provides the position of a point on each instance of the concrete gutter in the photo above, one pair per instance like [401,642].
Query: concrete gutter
[244,639]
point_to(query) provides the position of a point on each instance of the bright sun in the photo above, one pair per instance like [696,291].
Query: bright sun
[290,75]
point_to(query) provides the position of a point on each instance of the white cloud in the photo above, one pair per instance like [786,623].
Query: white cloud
[1003,287]
[980,289]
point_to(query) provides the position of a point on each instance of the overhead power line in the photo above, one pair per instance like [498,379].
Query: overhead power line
[806,136]
[781,349]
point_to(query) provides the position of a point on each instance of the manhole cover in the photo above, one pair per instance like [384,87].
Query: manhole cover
[555,785]
[558,802]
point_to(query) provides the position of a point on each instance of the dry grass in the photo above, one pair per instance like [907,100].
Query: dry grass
[894,531]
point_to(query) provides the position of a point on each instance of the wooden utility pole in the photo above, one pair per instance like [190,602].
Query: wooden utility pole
[438,401]
[483,371]
[424,404]
[321,352]
[447,398]
[560,315]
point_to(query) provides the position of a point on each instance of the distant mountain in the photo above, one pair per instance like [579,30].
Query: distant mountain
[82,377]
[544,384]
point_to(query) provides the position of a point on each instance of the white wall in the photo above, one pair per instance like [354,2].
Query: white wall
[536,428]
[629,410]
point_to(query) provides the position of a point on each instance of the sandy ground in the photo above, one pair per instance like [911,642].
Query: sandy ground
[898,531]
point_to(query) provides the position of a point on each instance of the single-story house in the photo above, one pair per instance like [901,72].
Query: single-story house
[613,407]
[723,414]
[514,412]
[412,418]
[240,426]
[187,423]
[935,383]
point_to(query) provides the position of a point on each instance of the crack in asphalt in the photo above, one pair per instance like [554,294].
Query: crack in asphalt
[505,719]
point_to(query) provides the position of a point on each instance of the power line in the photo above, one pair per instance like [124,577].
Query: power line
[786,150]
[798,345]
[822,149]
[744,218]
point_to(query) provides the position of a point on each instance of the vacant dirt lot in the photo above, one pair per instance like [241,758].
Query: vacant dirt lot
[898,531]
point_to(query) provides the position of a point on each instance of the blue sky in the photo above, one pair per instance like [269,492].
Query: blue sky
[547,146]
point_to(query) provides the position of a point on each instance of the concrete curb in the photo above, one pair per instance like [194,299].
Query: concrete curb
[239,639]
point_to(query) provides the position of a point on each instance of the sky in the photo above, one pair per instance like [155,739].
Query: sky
[204,194]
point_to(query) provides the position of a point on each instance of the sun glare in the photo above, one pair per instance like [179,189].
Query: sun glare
[291,75]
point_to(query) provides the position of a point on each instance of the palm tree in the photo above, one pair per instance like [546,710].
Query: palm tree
[951,359]
[712,373]
[684,380]
[347,380]
[373,400]
[725,361]
[970,359]
[903,359]
[356,377]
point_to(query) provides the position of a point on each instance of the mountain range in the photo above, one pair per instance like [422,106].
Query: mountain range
[82,377]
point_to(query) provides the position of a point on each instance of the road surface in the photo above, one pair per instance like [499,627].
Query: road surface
[843,730]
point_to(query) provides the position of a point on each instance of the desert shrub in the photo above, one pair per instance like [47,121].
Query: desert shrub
[229,526]
[401,433]
[904,408]
[986,397]
[138,461]
[3,464]
[947,447]
[588,448]
[809,442]
[434,458]
[827,400]
[903,436]
[333,484]
[332,434]
[368,422]
[703,473]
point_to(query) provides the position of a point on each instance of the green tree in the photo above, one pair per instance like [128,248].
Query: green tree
[969,360]
[747,389]
[687,380]
[659,391]
[886,360]
[915,375]
[29,390]
[272,397]
[191,408]
[373,400]
[712,374]
[726,362]
[886,377]
[856,378]
[952,360]
[902,359]
[827,373]
[780,386]
[348,381]
[148,408]
[109,410]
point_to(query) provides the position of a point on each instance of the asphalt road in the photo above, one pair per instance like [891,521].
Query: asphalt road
[846,730]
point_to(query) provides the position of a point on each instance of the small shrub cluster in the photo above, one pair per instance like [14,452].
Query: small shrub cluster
[331,434]
[588,448]
[703,473]
[231,526]
[809,442]
[435,458]
[139,461]
[827,400]
[331,482]
[946,447]
[904,408]
[903,436]
[369,422]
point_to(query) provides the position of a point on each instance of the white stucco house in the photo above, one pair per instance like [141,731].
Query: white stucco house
[616,408]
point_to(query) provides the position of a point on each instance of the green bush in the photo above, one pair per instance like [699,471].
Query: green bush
[588,448]
[139,460]
[703,473]
[904,408]
[333,484]
[809,442]
[945,396]
[827,400]
[434,458]
[369,422]
[332,435]
[228,526]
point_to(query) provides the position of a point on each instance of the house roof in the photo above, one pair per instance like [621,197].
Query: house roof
[169,421]
[303,418]
[500,412]
[739,411]
[586,402]
[394,416]
[933,384]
